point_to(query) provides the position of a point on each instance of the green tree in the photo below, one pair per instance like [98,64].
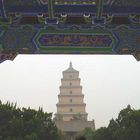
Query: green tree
[87,133]
[125,127]
[26,124]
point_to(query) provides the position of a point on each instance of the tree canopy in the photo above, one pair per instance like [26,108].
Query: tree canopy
[26,124]
[30,124]
[125,127]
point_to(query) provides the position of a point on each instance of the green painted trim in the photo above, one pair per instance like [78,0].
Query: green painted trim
[99,8]
[1,46]
[74,29]
[6,22]
[75,49]
[50,8]
[94,31]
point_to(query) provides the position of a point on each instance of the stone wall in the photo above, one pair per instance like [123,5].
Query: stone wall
[75,125]
[70,129]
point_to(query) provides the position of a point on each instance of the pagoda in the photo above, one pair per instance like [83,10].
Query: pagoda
[71,116]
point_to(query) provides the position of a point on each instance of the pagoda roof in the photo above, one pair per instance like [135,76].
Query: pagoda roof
[70,69]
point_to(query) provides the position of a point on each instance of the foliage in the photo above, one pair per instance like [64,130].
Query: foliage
[58,117]
[81,138]
[78,116]
[26,124]
[87,133]
[125,127]
[30,124]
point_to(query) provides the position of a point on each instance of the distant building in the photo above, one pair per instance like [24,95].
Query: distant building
[71,116]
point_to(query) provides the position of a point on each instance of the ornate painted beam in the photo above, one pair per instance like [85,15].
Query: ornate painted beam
[50,8]
[51,19]
[2,10]
[38,28]
[99,11]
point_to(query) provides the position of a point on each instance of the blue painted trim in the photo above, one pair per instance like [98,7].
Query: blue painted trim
[2,10]
[74,9]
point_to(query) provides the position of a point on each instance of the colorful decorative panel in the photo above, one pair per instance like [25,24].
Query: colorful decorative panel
[73,39]
[18,39]
[69,27]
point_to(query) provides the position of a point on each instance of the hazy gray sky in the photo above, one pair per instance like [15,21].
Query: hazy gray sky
[109,83]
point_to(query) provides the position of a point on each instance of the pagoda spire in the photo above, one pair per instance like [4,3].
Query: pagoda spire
[70,65]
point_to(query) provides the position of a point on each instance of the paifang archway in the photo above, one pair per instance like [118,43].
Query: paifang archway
[69,27]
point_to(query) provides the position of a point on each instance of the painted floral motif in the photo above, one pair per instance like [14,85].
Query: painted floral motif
[75,40]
